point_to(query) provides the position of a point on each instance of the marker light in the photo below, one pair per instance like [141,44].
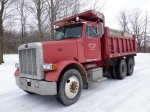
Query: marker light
[80,20]
[57,26]
[47,67]
[72,21]
[26,46]
[66,22]
[77,18]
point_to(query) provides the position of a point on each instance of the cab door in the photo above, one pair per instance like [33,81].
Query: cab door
[91,42]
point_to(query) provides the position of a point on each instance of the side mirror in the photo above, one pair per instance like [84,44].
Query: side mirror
[101,29]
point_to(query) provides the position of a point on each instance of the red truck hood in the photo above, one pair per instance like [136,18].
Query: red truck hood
[55,51]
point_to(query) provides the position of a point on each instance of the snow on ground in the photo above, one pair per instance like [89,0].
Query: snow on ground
[129,95]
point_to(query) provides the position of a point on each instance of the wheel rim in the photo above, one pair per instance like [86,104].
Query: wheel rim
[71,87]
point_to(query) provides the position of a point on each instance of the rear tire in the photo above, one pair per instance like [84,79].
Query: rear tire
[130,66]
[112,72]
[69,87]
[121,69]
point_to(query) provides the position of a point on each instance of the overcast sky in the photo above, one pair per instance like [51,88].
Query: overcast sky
[114,6]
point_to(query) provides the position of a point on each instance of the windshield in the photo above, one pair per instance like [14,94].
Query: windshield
[69,32]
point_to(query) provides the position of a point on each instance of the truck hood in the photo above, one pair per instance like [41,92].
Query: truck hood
[55,51]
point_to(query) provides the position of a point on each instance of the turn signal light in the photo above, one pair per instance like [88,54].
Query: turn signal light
[54,66]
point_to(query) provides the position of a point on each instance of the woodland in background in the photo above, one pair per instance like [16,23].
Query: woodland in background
[25,21]
[138,23]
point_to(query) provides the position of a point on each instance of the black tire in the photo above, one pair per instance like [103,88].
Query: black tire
[130,66]
[69,84]
[28,92]
[121,69]
[112,72]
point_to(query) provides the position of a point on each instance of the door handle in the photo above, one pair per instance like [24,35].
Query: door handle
[59,49]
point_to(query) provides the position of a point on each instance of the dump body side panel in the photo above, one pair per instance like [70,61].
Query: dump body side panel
[117,44]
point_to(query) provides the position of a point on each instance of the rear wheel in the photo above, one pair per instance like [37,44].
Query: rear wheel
[121,69]
[112,72]
[69,87]
[130,66]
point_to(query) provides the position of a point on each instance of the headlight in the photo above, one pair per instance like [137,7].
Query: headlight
[16,65]
[47,67]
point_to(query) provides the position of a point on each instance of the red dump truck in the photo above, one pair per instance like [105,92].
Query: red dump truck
[85,51]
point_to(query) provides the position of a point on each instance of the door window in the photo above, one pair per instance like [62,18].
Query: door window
[90,31]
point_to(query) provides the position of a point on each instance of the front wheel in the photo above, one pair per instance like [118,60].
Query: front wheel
[69,87]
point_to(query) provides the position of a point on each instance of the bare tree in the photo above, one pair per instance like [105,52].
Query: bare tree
[136,23]
[123,20]
[96,5]
[60,9]
[53,15]
[38,11]
[40,23]
[24,14]
[53,9]
[76,7]
[146,32]
[4,5]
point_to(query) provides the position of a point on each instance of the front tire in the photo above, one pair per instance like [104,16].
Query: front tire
[28,92]
[69,87]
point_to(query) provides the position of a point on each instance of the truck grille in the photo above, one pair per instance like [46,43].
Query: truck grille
[27,59]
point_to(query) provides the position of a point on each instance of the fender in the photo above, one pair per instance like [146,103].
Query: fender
[17,72]
[54,75]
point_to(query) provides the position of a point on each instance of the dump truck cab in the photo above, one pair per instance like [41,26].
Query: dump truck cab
[86,28]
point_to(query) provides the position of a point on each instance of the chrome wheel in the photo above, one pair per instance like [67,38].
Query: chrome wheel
[69,87]
[72,87]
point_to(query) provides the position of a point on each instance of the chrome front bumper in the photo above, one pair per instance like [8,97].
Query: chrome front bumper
[37,86]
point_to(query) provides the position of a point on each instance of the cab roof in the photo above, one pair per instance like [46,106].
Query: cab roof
[90,15]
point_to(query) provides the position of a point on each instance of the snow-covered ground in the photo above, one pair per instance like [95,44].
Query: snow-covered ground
[129,95]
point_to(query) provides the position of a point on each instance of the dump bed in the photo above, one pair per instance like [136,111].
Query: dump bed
[117,43]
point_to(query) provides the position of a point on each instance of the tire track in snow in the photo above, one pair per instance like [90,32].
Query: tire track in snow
[10,94]
[141,69]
